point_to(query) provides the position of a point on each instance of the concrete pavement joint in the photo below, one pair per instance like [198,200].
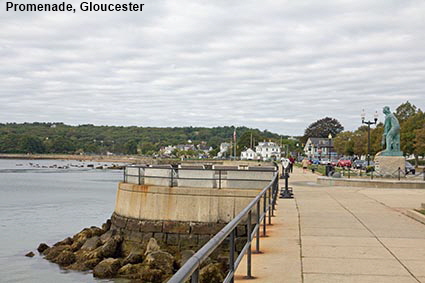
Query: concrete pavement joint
[376,237]
[299,238]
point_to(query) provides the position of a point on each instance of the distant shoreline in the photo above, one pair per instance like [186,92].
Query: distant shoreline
[97,158]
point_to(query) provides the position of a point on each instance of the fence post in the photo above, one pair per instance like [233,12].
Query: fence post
[232,255]
[257,240]
[139,176]
[248,256]
[172,177]
[371,175]
[124,174]
[265,214]
[423,173]
[349,170]
[399,172]
[219,178]
[195,276]
[269,206]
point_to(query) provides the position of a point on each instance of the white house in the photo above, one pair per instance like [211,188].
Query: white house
[268,150]
[248,154]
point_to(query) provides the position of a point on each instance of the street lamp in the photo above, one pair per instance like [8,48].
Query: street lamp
[368,123]
[330,146]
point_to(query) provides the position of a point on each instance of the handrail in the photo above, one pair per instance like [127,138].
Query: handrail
[192,266]
[220,175]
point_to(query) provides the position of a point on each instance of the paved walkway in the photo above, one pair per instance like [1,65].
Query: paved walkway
[341,235]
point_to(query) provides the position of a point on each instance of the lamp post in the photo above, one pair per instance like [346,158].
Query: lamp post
[330,146]
[368,123]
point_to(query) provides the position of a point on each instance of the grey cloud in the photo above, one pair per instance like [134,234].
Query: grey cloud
[277,65]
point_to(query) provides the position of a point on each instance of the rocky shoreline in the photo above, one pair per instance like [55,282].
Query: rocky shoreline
[106,253]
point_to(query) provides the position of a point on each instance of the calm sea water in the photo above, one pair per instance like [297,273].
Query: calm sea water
[47,205]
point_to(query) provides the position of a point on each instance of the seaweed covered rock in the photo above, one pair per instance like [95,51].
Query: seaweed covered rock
[42,247]
[212,273]
[160,260]
[65,258]
[107,268]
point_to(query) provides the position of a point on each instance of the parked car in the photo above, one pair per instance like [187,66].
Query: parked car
[359,164]
[325,161]
[315,161]
[410,168]
[344,163]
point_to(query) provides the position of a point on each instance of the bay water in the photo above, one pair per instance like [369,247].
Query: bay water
[40,202]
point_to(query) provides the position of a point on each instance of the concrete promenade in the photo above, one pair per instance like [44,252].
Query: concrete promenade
[341,234]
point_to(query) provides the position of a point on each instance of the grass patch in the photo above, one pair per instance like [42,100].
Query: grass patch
[420,211]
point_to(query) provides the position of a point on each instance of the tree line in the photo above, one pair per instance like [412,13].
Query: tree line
[90,139]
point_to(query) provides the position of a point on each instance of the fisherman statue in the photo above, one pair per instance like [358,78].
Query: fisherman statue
[391,136]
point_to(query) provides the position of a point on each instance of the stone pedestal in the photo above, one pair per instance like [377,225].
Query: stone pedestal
[388,165]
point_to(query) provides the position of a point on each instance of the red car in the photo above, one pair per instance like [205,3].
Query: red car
[344,163]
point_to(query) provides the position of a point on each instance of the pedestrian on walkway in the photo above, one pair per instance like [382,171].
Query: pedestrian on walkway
[305,164]
[291,164]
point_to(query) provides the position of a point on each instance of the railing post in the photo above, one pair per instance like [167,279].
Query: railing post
[269,206]
[371,175]
[195,276]
[249,252]
[219,178]
[172,177]
[423,173]
[265,214]
[139,181]
[232,255]
[257,240]
[124,174]
[399,172]
[349,169]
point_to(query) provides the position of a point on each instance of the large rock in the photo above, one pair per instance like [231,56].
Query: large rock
[133,258]
[107,268]
[84,265]
[91,243]
[160,260]
[152,246]
[131,271]
[112,247]
[53,252]
[42,247]
[106,236]
[212,273]
[107,225]
[66,241]
[65,258]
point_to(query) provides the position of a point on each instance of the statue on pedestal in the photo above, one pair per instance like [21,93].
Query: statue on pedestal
[391,136]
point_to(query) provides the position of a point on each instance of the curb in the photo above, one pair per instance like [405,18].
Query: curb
[415,215]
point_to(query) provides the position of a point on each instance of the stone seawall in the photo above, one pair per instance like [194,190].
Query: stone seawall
[173,236]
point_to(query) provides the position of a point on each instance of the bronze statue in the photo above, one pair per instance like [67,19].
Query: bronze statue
[391,136]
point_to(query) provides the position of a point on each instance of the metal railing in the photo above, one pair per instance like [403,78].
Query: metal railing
[218,176]
[267,197]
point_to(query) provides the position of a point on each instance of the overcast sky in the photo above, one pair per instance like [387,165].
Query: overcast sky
[276,65]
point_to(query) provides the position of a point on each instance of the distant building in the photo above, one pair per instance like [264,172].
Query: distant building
[224,147]
[318,148]
[185,147]
[268,151]
[249,154]
[167,150]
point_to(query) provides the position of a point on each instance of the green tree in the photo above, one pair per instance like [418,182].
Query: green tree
[322,128]
[405,111]
[344,143]
[131,147]
[30,144]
